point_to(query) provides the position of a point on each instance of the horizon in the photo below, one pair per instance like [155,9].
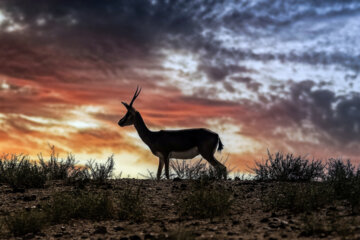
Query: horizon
[261,74]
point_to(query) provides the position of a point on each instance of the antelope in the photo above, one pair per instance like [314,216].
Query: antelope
[179,144]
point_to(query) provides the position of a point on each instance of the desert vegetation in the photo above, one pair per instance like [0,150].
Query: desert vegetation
[288,197]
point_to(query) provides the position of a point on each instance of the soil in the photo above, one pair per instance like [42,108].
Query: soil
[248,219]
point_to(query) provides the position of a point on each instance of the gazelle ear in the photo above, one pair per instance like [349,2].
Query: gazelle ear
[126,105]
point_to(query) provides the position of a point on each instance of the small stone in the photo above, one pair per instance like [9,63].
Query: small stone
[177,179]
[231,233]
[119,228]
[235,222]
[250,225]
[264,220]
[18,190]
[28,198]
[29,236]
[135,237]
[237,179]
[100,230]
[149,236]
[183,186]
[58,235]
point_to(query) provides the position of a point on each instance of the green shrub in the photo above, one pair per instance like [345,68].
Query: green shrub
[20,172]
[130,205]
[80,205]
[206,201]
[297,197]
[21,223]
[288,168]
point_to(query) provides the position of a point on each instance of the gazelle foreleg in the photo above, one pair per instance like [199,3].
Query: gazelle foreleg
[167,162]
[161,165]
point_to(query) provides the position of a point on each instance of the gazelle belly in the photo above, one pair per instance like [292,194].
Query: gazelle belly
[188,154]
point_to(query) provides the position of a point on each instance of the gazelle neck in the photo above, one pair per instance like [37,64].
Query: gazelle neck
[141,128]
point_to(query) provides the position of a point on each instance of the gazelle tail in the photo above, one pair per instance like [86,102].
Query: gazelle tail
[221,146]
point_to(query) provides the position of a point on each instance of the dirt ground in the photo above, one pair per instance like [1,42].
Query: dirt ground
[246,220]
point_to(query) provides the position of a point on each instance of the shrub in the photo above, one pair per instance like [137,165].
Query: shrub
[19,172]
[288,168]
[130,205]
[345,181]
[297,197]
[206,201]
[100,172]
[79,205]
[56,169]
[24,222]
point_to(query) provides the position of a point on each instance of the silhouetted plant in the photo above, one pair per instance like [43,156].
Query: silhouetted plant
[297,197]
[21,223]
[100,172]
[288,168]
[56,169]
[130,205]
[19,172]
[345,180]
[206,201]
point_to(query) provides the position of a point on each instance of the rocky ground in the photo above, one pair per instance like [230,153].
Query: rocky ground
[247,219]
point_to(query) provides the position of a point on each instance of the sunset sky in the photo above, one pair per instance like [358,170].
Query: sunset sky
[277,75]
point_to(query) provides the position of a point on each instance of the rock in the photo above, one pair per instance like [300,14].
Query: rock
[135,237]
[63,228]
[119,228]
[235,222]
[58,235]
[177,179]
[231,233]
[28,198]
[29,236]
[264,220]
[149,236]
[100,230]
[237,179]
[18,190]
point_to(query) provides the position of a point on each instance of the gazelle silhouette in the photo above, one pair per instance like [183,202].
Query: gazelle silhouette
[180,144]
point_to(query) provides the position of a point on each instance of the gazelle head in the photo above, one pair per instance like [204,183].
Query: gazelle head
[129,117]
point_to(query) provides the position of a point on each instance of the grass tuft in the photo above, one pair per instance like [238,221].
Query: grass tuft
[206,200]
[21,223]
[130,205]
[80,205]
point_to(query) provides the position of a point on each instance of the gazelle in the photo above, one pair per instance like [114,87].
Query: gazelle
[180,144]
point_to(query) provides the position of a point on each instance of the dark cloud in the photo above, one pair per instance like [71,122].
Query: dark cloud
[336,117]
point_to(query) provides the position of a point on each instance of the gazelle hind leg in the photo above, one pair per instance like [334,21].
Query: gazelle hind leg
[219,167]
[207,151]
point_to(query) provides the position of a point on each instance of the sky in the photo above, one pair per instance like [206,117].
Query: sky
[265,75]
